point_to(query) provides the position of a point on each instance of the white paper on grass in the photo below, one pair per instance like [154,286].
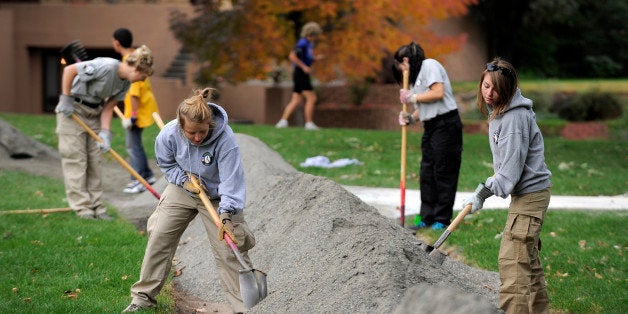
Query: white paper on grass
[324,162]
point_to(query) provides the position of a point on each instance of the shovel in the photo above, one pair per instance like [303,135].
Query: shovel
[436,255]
[252,281]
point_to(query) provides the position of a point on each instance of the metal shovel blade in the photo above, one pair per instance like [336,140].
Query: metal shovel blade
[252,286]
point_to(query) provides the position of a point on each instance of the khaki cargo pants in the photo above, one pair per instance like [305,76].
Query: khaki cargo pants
[176,209]
[523,288]
[81,161]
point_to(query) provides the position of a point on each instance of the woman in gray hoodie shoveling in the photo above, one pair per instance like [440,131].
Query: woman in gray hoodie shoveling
[199,155]
[520,171]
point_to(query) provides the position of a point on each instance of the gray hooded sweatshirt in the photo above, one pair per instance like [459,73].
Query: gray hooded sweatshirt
[216,161]
[518,151]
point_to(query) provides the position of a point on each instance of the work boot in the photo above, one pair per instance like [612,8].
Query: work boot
[86,214]
[104,216]
[136,307]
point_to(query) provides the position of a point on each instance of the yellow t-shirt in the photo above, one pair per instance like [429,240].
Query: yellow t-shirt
[147,105]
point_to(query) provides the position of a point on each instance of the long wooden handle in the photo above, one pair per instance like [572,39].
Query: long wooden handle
[117,157]
[35,211]
[214,215]
[402,181]
[465,211]
[158,120]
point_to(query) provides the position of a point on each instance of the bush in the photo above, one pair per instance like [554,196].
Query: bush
[588,106]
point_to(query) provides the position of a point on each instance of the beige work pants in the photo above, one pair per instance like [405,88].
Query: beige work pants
[81,161]
[176,209]
[523,288]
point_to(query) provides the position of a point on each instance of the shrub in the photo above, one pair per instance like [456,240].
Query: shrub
[588,106]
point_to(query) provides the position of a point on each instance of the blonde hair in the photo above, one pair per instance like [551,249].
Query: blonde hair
[196,108]
[142,59]
[311,29]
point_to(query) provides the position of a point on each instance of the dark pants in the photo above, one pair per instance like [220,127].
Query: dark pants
[440,165]
[136,152]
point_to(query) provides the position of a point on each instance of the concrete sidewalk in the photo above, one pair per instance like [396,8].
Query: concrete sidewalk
[387,201]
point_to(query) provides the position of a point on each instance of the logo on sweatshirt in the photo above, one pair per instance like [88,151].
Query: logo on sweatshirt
[206,159]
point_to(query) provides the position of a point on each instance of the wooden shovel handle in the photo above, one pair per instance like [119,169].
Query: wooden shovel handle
[465,211]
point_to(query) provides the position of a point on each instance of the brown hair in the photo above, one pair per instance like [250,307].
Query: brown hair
[195,108]
[504,78]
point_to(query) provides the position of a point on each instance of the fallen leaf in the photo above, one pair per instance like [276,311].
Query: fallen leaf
[582,244]
[124,277]
[14,290]
[553,234]
[39,193]
[27,300]
[598,276]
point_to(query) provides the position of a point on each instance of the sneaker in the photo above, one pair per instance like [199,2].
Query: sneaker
[151,180]
[438,226]
[134,187]
[311,126]
[421,225]
[136,307]
[283,123]
[104,216]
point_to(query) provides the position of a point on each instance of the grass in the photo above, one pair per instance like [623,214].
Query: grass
[582,255]
[58,263]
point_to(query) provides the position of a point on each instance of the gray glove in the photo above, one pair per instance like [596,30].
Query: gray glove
[105,145]
[65,105]
[477,198]
[406,118]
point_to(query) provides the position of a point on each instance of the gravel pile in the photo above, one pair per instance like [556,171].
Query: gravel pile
[324,250]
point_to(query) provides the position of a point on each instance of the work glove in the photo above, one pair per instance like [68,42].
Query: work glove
[65,105]
[406,118]
[407,97]
[189,186]
[105,145]
[477,198]
[226,226]
[128,123]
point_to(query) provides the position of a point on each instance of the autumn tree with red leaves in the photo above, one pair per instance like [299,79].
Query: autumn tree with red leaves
[241,40]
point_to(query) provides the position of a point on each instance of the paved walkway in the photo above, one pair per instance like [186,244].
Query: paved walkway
[387,201]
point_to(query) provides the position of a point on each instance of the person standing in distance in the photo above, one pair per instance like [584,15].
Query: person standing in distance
[90,90]
[434,105]
[519,171]
[139,105]
[201,143]
[302,56]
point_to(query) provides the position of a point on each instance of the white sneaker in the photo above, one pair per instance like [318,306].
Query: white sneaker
[283,123]
[134,187]
[151,180]
[311,126]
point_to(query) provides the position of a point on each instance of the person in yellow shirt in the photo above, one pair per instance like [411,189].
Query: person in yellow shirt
[139,105]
